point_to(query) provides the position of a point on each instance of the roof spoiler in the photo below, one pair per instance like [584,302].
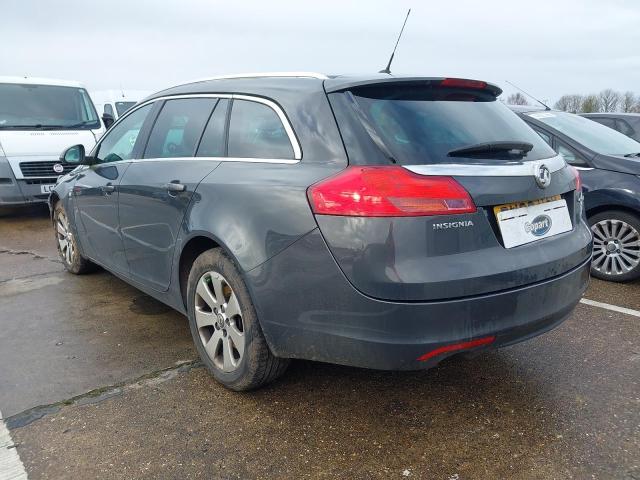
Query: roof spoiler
[341,84]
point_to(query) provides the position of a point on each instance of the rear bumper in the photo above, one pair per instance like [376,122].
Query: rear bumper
[309,310]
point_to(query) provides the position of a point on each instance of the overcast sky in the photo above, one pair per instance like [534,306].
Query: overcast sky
[547,47]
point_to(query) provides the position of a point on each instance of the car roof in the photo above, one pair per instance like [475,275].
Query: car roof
[41,81]
[611,114]
[271,82]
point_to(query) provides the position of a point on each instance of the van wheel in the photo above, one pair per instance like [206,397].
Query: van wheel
[67,245]
[616,246]
[225,327]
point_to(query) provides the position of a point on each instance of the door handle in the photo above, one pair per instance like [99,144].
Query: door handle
[175,187]
[107,189]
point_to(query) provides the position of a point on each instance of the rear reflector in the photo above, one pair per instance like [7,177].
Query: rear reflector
[463,83]
[457,346]
[578,179]
[388,191]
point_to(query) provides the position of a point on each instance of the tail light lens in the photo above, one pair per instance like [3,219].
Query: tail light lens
[389,191]
[578,179]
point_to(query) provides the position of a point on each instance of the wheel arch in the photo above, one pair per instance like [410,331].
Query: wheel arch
[608,207]
[196,244]
[53,200]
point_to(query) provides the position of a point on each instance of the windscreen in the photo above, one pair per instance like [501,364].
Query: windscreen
[28,107]
[593,135]
[122,107]
[422,125]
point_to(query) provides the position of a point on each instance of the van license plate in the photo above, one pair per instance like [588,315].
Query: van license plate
[527,222]
[46,188]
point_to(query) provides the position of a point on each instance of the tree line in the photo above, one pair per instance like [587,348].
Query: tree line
[608,100]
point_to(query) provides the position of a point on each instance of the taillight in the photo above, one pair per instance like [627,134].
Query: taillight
[463,83]
[388,191]
[578,179]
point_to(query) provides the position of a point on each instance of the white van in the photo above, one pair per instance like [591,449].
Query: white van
[39,118]
[112,104]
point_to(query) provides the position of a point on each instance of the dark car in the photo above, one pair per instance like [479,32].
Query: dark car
[379,221]
[609,164]
[626,123]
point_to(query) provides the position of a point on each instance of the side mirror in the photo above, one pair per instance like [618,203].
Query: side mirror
[108,119]
[75,155]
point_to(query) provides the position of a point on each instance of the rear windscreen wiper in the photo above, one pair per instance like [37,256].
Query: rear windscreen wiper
[492,147]
[632,155]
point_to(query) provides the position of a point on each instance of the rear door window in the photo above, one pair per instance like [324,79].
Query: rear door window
[624,127]
[213,139]
[607,122]
[570,155]
[178,128]
[255,131]
[545,136]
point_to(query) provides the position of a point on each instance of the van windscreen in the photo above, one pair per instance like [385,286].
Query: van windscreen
[27,107]
[122,107]
[423,125]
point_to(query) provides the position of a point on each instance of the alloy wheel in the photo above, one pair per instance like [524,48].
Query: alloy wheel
[219,321]
[616,247]
[65,238]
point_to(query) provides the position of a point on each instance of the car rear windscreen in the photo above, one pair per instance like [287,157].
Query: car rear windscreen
[422,124]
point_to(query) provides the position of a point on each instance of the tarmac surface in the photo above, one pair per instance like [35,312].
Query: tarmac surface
[97,380]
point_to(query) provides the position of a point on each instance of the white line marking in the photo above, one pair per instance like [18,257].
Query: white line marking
[11,467]
[613,308]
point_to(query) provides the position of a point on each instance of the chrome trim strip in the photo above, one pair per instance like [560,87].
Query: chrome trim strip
[583,168]
[295,145]
[513,169]
[281,161]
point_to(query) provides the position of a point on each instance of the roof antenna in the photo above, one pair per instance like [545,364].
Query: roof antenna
[388,69]
[546,107]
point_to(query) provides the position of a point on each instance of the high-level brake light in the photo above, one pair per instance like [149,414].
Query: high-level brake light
[463,83]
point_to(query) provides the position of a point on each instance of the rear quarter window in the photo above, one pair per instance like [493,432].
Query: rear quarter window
[255,131]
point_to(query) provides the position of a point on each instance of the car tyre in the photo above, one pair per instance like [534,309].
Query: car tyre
[67,245]
[616,246]
[225,326]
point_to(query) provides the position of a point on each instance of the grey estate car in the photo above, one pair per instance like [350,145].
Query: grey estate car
[377,221]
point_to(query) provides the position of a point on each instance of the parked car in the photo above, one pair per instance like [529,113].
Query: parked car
[39,118]
[609,164]
[113,103]
[626,123]
[376,221]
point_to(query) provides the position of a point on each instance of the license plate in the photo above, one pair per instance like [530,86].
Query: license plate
[46,188]
[526,222]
